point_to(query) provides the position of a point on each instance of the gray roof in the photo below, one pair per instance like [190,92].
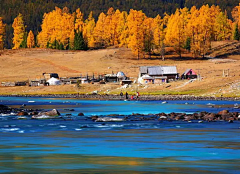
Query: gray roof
[143,69]
[155,70]
[169,69]
[158,70]
[185,73]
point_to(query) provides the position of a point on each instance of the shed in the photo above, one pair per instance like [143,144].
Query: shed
[189,74]
[145,79]
[53,81]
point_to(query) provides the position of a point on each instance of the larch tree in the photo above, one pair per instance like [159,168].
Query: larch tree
[158,33]
[122,29]
[99,32]
[176,34]
[136,31]
[148,35]
[222,27]
[88,30]
[19,31]
[2,33]
[79,24]
[110,27]
[30,40]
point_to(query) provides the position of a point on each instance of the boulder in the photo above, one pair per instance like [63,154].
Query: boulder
[81,114]
[47,115]
[22,113]
[223,112]
[53,113]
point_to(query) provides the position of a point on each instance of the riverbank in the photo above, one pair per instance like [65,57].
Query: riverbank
[118,97]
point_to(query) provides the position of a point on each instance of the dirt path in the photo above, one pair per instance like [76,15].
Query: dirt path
[63,68]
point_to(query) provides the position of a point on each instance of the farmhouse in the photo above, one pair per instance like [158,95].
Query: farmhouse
[159,73]
[189,74]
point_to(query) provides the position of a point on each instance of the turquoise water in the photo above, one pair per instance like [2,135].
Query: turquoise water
[80,145]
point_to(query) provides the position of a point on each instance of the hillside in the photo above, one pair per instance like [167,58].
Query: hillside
[18,65]
[33,10]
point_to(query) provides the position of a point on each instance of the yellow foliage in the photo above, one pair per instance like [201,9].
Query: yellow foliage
[135,21]
[159,34]
[30,40]
[88,30]
[2,33]
[79,21]
[99,31]
[176,33]
[19,30]
[57,25]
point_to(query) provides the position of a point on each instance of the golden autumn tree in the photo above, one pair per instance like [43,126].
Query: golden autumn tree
[148,24]
[99,32]
[79,24]
[115,34]
[88,30]
[136,31]
[2,33]
[57,29]
[176,30]
[158,33]
[30,40]
[222,27]
[109,27]
[19,30]
[122,29]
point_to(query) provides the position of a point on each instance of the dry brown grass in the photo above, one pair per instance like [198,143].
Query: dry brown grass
[19,65]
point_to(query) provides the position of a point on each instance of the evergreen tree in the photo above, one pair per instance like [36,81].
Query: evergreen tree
[188,44]
[24,42]
[79,42]
[236,33]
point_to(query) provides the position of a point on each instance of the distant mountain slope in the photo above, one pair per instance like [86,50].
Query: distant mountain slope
[33,10]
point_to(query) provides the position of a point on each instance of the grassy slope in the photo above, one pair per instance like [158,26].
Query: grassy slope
[18,65]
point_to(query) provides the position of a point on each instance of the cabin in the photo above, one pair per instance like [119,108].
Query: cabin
[189,74]
[160,74]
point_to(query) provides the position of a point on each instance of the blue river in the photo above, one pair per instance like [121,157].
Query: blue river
[79,145]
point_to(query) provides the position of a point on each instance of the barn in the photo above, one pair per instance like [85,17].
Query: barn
[189,74]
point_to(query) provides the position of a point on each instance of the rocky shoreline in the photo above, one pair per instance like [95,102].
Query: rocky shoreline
[22,113]
[118,97]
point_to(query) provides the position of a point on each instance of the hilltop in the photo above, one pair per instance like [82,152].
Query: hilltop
[24,64]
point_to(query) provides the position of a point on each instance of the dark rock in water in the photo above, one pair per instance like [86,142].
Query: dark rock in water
[53,112]
[47,115]
[223,112]
[68,109]
[209,116]
[34,113]
[94,118]
[81,114]
[22,113]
